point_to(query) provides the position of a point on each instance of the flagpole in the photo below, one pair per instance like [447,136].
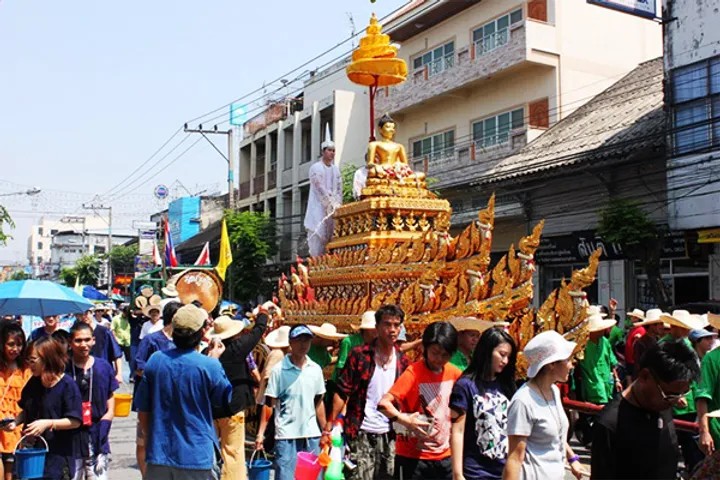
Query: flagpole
[164,256]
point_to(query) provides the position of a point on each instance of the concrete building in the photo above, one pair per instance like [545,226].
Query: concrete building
[692,75]
[69,245]
[488,77]
[283,141]
[41,235]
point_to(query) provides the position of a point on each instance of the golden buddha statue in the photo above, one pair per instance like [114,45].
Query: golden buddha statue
[387,160]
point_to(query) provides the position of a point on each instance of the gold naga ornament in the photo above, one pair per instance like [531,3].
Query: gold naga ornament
[393,246]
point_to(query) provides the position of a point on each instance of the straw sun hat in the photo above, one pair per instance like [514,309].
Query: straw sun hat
[596,323]
[652,317]
[278,338]
[328,331]
[367,321]
[225,327]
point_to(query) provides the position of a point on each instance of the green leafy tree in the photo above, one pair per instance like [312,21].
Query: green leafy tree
[5,220]
[68,276]
[122,258]
[19,275]
[87,269]
[624,222]
[253,241]
[348,173]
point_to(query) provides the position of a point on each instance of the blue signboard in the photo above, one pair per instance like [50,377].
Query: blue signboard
[184,218]
[642,8]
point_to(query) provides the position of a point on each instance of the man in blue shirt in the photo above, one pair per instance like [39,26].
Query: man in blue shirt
[179,389]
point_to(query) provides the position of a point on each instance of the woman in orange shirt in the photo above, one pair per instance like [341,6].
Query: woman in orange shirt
[14,374]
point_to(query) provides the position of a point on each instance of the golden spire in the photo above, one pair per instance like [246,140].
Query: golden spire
[374,62]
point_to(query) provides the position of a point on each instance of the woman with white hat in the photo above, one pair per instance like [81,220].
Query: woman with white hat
[537,424]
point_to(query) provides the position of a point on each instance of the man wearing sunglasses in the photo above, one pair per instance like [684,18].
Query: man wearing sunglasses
[634,436]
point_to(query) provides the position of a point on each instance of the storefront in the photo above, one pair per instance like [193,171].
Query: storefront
[685,268]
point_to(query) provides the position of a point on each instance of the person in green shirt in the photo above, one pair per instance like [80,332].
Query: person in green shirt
[597,368]
[707,399]
[120,327]
[365,333]
[326,339]
[469,330]
[681,322]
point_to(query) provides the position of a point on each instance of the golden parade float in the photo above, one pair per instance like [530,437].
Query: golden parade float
[394,246]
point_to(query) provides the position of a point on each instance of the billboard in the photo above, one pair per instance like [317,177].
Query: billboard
[184,218]
[642,8]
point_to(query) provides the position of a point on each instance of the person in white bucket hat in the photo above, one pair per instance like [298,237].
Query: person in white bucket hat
[537,424]
[681,322]
[654,330]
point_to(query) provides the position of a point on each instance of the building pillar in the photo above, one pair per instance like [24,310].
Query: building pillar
[297,220]
[253,167]
[297,153]
[316,132]
[268,157]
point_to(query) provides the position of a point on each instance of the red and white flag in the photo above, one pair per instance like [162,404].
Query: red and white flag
[157,259]
[204,257]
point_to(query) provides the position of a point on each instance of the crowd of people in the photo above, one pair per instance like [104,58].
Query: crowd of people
[446,405]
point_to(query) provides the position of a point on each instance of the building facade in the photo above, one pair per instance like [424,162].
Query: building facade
[41,238]
[692,73]
[68,246]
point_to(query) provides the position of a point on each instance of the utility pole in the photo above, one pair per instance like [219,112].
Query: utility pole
[229,158]
[95,207]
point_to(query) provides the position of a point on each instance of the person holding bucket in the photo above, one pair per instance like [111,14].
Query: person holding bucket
[14,374]
[96,380]
[51,407]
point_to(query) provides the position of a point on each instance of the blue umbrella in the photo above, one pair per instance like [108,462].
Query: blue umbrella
[92,293]
[39,297]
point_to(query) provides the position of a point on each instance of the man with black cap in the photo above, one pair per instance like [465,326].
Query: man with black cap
[296,388]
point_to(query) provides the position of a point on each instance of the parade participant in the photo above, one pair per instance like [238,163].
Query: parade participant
[105,345]
[707,399]
[372,368]
[294,392]
[120,327]
[51,325]
[155,342]
[479,404]
[468,337]
[680,325]
[365,333]
[100,314]
[702,341]
[422,395]
[51,407]
[325,196]
[177,394]
[636,332]
[537,424]
[96,381]
[634,436]
[325,341]
[359,181]
[14,374]
[230,422]
[278,342]
[654,330]
[469,331]
[153,324]
[597,368]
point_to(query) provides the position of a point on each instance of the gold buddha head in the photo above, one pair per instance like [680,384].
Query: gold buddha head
[387,126]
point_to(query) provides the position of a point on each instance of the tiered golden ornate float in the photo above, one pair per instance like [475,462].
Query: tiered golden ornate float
[394,246]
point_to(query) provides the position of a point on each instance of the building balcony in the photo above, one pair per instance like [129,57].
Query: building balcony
[244,190]
[487,57]
[468,160]
[259,184]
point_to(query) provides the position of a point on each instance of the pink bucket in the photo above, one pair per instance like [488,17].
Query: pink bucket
[307,467]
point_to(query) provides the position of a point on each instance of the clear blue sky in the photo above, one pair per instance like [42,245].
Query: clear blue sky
[90,89]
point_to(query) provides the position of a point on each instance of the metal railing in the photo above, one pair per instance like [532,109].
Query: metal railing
[244,189]
[440,65]
[259,184]
[488,43]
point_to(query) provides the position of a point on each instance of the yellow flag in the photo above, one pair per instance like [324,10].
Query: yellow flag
[225,254]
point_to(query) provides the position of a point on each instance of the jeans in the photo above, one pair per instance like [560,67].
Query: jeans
[163,472]
[286,455]
[231,431]
[415,469]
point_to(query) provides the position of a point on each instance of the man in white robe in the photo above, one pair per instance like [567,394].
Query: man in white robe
[325,196]
[359,181]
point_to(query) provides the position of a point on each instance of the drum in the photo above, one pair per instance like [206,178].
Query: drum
[202,285]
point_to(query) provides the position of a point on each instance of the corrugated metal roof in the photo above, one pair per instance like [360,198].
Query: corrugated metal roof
[626,117]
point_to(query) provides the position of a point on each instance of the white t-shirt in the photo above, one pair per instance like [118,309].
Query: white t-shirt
[148,327]
[545,425]
[380,384]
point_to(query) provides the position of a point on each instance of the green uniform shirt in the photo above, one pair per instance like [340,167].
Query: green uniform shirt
[709,389]
[459,360]
[320,355]
[690,397]
[617,335]
[346,344]
[598,382]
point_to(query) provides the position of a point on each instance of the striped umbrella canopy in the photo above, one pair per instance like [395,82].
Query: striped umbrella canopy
[41,298]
